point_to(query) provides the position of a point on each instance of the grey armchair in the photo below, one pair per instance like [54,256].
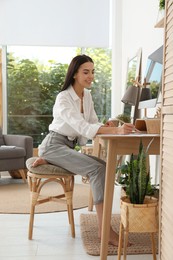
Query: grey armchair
[14,151]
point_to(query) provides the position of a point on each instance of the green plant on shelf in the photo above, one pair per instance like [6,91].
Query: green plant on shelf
[161,4]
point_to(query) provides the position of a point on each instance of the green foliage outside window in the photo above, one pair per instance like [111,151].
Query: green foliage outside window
[101,88]
[31,93]
[154,87]
[32,88]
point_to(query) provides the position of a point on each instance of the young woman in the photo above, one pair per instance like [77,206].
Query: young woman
[75,121]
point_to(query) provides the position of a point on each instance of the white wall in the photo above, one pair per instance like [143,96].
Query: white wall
[139,19]
[132,30]
[137,31]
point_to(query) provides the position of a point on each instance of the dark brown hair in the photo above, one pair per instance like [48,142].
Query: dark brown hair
[73,68]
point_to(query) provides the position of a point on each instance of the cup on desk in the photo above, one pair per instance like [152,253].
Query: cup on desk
[115,121]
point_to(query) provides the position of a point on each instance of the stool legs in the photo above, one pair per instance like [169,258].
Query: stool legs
[34,196]
[68,190]
[35,185]
[71,219]
[31,222]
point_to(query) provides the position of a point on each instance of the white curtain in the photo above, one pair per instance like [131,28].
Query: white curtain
[72,23]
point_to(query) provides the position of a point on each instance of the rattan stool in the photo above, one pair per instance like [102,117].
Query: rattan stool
[40,176]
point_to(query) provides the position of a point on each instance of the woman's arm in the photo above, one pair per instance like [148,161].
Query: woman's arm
[127,128]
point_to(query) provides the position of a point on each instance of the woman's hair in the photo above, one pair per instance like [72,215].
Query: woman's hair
[73,68]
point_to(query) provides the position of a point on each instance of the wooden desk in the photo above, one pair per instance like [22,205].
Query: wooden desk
[118,145]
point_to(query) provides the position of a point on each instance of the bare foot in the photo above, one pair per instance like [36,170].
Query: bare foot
[39,161]
[114,238]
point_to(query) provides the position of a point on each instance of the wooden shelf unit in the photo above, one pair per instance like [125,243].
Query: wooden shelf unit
[160,23]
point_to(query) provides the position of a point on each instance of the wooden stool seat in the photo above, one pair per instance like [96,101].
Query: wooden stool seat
[40,176]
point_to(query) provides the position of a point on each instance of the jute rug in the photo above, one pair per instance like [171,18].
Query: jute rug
[15,197]
[141,242]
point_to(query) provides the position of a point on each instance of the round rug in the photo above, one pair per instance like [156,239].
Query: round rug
[15,197]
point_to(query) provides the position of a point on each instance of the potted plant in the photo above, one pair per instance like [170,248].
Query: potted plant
[123,174]
[161,4]
[123,118]
[161,13]
[139,212]
[138,176]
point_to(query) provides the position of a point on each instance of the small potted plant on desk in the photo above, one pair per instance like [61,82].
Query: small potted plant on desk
[123,118]
[139,212]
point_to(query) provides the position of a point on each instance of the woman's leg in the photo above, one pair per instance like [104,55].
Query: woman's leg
[56,151]
[113,237]
[113,240]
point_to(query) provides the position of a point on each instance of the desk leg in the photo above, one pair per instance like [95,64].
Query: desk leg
[108,197]
[90,203]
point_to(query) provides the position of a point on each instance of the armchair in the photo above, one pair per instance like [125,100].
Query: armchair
[14,151]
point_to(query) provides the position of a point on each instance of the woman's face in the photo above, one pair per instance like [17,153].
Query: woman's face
[85,75]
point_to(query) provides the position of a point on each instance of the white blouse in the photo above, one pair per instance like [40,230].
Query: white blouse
[68,120]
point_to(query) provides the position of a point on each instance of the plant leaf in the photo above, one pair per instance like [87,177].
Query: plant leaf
[143,177]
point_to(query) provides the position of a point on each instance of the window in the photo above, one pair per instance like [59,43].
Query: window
[35,76]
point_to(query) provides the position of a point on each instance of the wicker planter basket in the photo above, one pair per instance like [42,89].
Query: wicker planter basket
[140,217]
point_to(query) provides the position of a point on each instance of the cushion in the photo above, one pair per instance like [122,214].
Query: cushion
[1,138]
[46,168]
[12,153]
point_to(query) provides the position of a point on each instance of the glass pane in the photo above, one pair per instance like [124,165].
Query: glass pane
[35,76]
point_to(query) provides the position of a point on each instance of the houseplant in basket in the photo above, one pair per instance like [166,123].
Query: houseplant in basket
[137,177]
[122,179]
[139,212]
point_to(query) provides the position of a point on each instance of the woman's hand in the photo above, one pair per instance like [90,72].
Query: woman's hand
[126,128]
[109,123]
